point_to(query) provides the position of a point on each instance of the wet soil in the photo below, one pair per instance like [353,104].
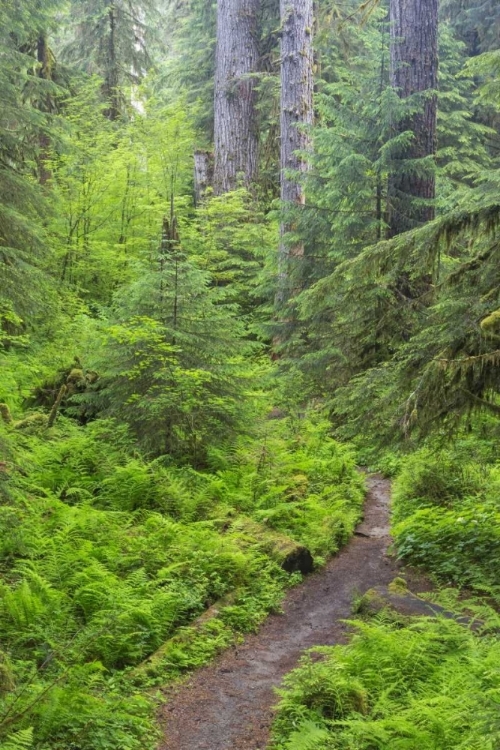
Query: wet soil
[228,705]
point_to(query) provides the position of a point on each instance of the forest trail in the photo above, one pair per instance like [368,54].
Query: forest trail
[228,705]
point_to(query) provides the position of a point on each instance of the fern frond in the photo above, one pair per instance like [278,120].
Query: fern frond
[308,737]
[22,740]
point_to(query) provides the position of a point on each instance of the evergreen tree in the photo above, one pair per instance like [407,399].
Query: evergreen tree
[187,72]
[172,364]
[414,70]
[235,127]
[112,39]
[23,126]
[353,322]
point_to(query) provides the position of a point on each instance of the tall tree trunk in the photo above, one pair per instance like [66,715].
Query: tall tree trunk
[296,116]
[414,68]
[44,56]
[111,81]
[237,57]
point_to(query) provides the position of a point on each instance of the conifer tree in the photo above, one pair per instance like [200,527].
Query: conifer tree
[296,118]
[235,130]
[111,38]
[24,87]
[171,366]
[414,67]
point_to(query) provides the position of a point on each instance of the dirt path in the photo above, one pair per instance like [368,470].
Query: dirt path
[228,705]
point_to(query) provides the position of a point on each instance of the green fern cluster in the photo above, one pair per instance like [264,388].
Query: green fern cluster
[108,559]
[429,685]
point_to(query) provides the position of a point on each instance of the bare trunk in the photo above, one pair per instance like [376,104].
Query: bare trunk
[203,174]
[296,117]
[44,71]
[237,57]
[111,83]
[414,67]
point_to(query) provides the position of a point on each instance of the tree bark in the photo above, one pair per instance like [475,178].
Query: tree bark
[235,131]
[112,78]
[414,69]
[296,116]
[203,174]
[43,55]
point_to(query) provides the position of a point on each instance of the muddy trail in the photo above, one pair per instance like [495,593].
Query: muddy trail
[228,705]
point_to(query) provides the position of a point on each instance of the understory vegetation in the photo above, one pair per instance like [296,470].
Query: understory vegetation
[105,556]
[428,684]
[446,515]
[205,328]
[418,683]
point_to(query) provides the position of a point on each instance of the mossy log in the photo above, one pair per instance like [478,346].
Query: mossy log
[76,379]
[151,664]
[33,421]
[289,554]
[404,605]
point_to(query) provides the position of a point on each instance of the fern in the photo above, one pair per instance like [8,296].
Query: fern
[98,579]
[308,737]
[426,684]
[21,740]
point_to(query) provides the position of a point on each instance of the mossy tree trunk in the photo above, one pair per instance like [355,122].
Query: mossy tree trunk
[295,121]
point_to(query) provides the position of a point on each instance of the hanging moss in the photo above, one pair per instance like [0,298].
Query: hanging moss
[491,323]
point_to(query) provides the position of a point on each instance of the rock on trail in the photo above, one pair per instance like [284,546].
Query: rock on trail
[228,705]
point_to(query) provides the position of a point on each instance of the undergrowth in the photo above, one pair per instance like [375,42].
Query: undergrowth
[107,561]
[428,685]
[446,515]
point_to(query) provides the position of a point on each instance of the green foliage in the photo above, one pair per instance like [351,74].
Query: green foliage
[390,336]
[427,685]
[24,287]
[113,40]
[108,560]
[111,190]
[446,514]
[174,384]
[146,528]
[231,238]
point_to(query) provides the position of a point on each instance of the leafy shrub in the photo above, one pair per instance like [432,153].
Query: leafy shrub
[447,518]
[435,478]
[460,545]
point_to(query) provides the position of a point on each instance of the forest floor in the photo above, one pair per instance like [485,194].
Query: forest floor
[229,704]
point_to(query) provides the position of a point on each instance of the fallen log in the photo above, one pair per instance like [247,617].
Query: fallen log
[289,554]
[182,638]
[406,604]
